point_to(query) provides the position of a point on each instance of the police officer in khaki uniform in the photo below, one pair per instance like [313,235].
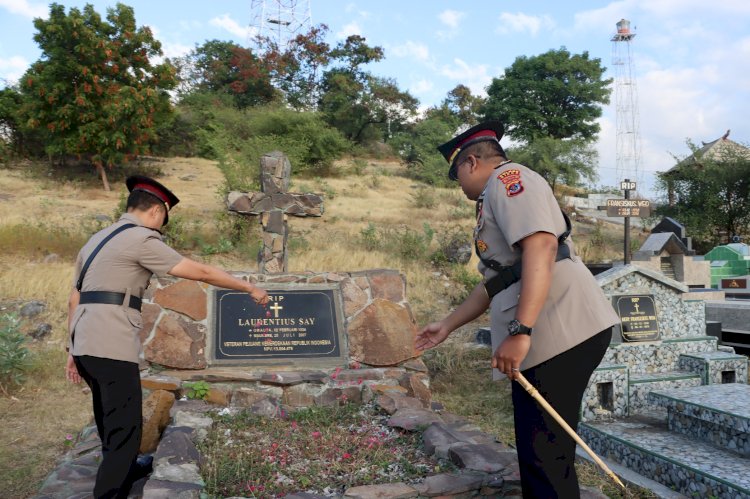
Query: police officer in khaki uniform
[549,318]
[113,270]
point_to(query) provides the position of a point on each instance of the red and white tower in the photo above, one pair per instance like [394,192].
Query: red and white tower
[626,105]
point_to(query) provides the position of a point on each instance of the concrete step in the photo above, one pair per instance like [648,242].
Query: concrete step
[717,367]
[657,355]
[719,414]
[692,467]
[640,385]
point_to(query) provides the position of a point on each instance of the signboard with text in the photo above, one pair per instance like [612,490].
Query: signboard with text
[628,207]
[637,317]
[297,323]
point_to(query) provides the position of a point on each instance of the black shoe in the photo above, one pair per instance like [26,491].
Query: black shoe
[142,467]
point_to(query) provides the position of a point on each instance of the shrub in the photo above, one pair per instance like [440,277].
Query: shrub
[14,356]
[197,390]
[424,197]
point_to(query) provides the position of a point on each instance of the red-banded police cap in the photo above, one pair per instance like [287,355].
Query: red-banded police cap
[146,184]
[489,130]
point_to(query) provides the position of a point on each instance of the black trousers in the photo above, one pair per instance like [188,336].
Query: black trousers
[116,392]
[546,453]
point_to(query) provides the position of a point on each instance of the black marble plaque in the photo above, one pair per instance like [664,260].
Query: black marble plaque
[296,323]
[637,317]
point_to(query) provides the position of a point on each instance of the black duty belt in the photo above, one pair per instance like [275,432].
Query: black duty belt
[511,274]
[109,298]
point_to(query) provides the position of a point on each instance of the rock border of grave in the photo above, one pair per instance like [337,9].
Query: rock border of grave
[487,468]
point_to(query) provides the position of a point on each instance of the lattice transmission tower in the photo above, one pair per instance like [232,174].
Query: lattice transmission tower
[626,105]
[279,20]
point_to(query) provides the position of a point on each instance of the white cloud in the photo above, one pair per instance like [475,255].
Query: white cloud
[190,25]
[451,18]
[24,8]
[12,68]
[227,23]
[353,28]
[520,23]
[421,87]
[416,50]
[474,76]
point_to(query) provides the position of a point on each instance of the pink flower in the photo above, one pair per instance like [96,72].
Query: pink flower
[316,434]
[294,425]
[346,455]
[359,381]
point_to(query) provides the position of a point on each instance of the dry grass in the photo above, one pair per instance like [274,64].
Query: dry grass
[34,200]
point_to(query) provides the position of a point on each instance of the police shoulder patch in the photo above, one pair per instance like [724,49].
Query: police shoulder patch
[511,179]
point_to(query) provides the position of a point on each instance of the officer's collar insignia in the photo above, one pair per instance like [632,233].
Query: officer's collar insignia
[512,181]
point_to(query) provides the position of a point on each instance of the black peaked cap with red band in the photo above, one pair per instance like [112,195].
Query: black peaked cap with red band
[489,130]
[146,184]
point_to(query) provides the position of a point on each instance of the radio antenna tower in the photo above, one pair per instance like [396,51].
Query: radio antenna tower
[626,105]
[279,20]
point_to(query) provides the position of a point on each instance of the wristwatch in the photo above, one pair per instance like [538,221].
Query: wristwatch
[516,328]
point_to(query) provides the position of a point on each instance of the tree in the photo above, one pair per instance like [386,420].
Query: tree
[712,196]
[360,105]
[566,161]
[225,67]
[554,94]
[94,92]
[297,70]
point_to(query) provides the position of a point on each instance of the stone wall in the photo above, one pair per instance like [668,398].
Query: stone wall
[678,317]
[379,335]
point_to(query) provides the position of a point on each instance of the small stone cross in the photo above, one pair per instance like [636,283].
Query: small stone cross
[273,204]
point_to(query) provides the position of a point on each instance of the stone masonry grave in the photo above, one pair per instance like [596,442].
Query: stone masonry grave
[672,406]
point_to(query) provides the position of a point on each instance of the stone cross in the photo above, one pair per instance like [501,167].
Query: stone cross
[273,204]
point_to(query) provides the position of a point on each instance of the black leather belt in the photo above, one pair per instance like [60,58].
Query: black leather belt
[511,274]
[109,298]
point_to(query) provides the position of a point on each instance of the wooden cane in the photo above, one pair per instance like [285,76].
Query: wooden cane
[552,412]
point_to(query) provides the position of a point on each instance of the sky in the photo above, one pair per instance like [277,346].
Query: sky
[690,58]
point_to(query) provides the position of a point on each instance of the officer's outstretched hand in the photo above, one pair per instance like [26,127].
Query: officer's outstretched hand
[259,295]
[431,336]
[71,371]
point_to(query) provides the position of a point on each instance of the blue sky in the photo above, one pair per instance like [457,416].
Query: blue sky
[691,57]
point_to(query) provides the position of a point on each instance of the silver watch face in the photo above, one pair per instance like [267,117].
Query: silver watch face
[513,327]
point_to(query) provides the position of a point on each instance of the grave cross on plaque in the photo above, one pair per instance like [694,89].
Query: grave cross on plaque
[273,204]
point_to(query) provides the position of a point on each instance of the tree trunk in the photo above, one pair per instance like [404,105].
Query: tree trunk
[103,175]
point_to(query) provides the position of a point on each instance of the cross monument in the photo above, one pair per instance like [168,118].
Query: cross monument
[274,204]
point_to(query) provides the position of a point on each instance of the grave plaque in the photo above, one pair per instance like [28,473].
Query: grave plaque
[736,283]
[298,323]
[637,317]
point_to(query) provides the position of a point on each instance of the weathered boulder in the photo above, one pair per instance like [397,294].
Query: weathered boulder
[186,297]
[382,334]
[177,343]
[155,418]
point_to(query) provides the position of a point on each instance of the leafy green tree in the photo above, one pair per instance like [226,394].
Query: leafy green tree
[554,94]
[297,70]
[94,92]
[416,147]
[711,196]
[225,67]
[565,161]
[363,106]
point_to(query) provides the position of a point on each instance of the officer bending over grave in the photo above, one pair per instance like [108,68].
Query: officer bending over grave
[549,318]
[113,270]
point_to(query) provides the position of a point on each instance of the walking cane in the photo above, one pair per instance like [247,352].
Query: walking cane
[552,412]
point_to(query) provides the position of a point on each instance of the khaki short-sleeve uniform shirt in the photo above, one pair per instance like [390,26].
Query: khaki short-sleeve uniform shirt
[124,265]
[516,203]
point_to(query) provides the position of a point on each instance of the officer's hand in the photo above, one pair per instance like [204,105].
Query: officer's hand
[511,352]
[259,295]
[431,336]
[71,371]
